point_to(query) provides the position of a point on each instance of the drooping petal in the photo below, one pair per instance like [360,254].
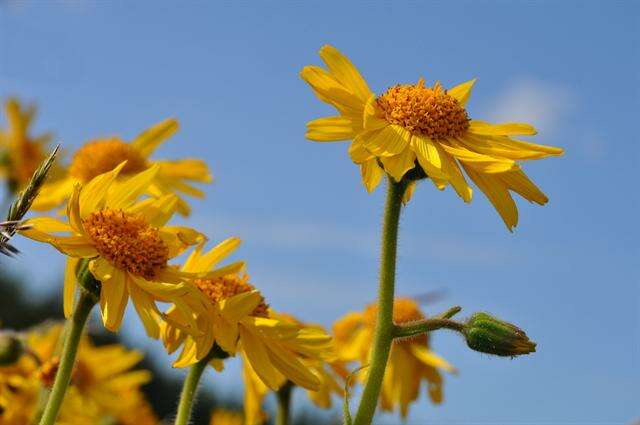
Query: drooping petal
[256,352]
[147,141]
[399,164]
[113,292]
[480,162]
[387,141]
[70,281]
[430,358]
[497,193]
[288,364]
[235,308]
[371,174]
[506,129]
[146,308]
[428,156]
[520,183]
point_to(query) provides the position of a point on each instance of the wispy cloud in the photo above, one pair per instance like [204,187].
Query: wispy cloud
[538,102]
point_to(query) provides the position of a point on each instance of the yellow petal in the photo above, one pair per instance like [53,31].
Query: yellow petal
[399,164]
[371,174]
[53,194]
[48,225]
[430,358]
[93,195]
[189,169]
[520,183]
[178,239]
[69,290]
[157,212]
[146,308]
[126,192]
[345,72]
[146,142]
[256,352]
[331,129]
[198,262]
[480,162]
[408,192]
[239,306]
[428,156]
[113,292]
[329,90]
[506,129]
[457,180]
[358,153]
[497,193]
[462,92]
[388,141]
[287,363]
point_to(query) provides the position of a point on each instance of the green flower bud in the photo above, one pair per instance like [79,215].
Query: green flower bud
[487,334]
[11,348]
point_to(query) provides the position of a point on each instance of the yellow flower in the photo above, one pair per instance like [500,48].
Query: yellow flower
[100,156]
[103,383]
[410,360]
[226,417]
[330,371]
[127,245]
[427,129]
[21,153]
[239,321]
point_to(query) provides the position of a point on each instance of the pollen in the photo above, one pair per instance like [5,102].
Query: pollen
[101,156]
[225,287]
[128,242]
[405,310]
[427,111]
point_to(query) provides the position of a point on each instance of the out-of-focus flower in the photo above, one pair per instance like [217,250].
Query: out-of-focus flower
[412,126]
[240,322]
[410,360]
[20,153]
[100,156]
[103,384]
[226,417]
[331,372]
[127,244]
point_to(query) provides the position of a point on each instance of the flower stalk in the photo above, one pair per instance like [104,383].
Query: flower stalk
[190,385]
[384,331]
[283,396]
[75,326]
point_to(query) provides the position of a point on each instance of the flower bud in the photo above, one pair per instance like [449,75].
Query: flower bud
[487,334]
[11,348]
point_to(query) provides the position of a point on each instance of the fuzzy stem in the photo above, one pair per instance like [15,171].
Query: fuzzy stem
[384,323]
[425,326]
[190,385]
[284,402]
[75,325]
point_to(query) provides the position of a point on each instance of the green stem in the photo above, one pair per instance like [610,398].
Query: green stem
[75,325]
[284,401]
[384,324]
[189,389]
[190,385]
[425,326]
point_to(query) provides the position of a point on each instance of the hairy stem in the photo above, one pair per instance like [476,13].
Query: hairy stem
[75,325]
[284,403]
[383,337]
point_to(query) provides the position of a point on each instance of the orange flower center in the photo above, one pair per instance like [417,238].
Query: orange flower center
[225,287]
[25,161]
[101,156]
[405,310]
[428,111]
[128,242]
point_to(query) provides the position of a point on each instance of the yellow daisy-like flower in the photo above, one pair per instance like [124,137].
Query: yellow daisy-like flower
[127,245]
[100,156]
[239,321]
[412,126]
[226,417]
[20,153]
[331,372]
[103,383]
[410,360]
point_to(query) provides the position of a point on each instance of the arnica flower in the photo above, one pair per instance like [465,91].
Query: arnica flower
[102,155]
[103,385]
[226,417]
[241,323]
[127,245]
[331,372]
[414,126]
[20,153]
[410,360]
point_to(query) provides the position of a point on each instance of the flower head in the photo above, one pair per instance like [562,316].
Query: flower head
[103,155]
[126,246]
[410,360]
[238,320]
[425,129]
[21,153]
[103,384]
[330,371]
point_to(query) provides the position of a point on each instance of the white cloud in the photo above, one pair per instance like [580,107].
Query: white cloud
[534,101]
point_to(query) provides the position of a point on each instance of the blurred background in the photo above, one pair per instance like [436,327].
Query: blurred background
[229,73]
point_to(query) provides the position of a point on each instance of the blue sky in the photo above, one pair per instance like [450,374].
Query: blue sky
[229,73]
